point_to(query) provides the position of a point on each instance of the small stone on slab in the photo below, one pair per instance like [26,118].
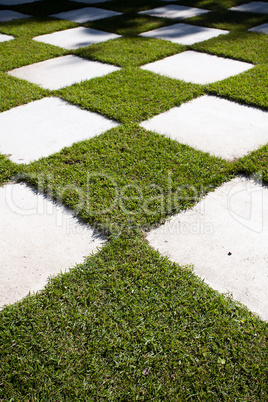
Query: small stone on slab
[44,127]
[38,239]
[258,7]
[198,68]
[174,12]
[75,38]
[223,128]
[184,34]
[225,237]
[86,14]
[5,38]
[260,28]
[8,15]
[62,71]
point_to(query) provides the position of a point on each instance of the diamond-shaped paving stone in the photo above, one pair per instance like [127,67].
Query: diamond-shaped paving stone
[225,236]
[220,127]
[5,38]
[86,14]
[175,12]
[259,7]
[38,239]
[76,37]
[184,34]
[260,28]
[44,127]
[197,67]
[62,71]
[8,15]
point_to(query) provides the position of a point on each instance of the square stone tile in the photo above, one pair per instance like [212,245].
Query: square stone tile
[174,12]
[75,38]
[198,68]
[5,38]
[184,34]
[259,7]
[225,237]
[260,28]
[90,1]
[62,71]
[86,14]
[16,2]
[8,15]
[222,128]
[38,239]
[41,128]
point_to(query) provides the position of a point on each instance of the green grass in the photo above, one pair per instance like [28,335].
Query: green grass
[128,325]
[130,95]
[129,25]
[130,52]
[20,52]
[128,178]
[230,20]
[15,92]
[29,28]
[255,164]
[249,46]
[249,87]
[7,169]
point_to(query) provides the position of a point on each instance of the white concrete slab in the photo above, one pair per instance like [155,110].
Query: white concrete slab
[16,2]
[225,237]
[62,71]
[86,14]
[44,127]
[184,34]
[9,15]
[174,12]
[5,38]
[263,28]
[75,38]
[38,239]
[259,7]
[199,68]
[222,128]
[90,1]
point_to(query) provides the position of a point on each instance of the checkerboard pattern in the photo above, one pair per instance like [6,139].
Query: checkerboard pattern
[77,56]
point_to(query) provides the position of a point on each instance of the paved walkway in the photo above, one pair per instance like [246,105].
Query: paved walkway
[224,236]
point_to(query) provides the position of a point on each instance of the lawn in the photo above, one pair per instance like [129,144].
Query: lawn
[128,324]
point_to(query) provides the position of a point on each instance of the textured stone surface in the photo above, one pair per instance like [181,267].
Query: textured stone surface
[38,239]
[220,127]
[225,237]
[199,68]
[259,7]
[44,127]
[76,37]
[184,34]
[62,71]
[86,14]
[5,38]
[263,28]
[9,15]
[175,12]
